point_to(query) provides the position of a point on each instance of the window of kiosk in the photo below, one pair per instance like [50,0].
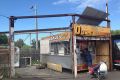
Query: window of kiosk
[63,48]
[91,47]
[87,44]
[67,48]
[54,49]
[60,48]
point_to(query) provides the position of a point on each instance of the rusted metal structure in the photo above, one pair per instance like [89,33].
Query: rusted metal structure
[12,32]
[72,50]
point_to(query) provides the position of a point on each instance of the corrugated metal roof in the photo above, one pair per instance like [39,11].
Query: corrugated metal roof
[92,12]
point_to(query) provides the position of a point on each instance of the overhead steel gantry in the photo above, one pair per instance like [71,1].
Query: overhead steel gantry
[11,34]
[12,18]
[48,30]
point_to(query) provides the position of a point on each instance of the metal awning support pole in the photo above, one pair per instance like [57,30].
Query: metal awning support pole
[11,46]
[74,48]
[110,42]
[110,51]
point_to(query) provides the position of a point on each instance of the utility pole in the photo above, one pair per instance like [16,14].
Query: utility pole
[108,23]
[36,24]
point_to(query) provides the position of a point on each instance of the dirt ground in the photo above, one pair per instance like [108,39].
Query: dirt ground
[31,73]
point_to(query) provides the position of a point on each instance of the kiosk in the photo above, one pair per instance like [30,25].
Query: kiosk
[95,38]
[85,33]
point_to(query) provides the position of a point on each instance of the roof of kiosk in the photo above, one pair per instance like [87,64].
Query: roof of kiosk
[87,25]
[92,12]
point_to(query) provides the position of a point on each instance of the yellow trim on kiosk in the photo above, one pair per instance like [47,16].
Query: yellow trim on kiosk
[88,30]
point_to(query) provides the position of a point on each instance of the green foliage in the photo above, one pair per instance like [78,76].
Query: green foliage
[34,43]
[19,43]
[3,39]
[115,32]
[26,46]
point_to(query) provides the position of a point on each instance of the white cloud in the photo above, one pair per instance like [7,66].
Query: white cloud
[83,3]
[73,1]
[60,2]
[66,1]
[92,3]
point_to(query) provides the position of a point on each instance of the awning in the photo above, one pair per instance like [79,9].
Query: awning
[92,12]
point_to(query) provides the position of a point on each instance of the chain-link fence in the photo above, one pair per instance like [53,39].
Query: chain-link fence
[29,56]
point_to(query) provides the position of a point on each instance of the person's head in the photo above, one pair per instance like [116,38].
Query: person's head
[86,49]
[77,46]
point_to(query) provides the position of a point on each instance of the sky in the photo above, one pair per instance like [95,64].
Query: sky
[22,8]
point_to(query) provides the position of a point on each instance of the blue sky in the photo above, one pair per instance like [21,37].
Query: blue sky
[22,8]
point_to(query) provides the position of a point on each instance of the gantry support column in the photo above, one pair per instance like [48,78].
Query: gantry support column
[74,56]
[11,46]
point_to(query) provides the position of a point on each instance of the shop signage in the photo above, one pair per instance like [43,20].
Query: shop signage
[88,30]
[58,37]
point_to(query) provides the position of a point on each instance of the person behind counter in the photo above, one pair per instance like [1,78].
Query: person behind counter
[88,57]
[78,53]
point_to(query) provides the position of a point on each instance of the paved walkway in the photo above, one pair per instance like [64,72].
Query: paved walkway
[31,73]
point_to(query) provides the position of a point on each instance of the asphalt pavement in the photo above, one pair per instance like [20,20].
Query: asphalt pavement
[31,73]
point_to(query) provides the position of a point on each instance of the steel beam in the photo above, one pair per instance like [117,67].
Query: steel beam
[39,30]
[61,15]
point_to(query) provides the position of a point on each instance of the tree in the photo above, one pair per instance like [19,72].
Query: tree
[19,43]
[3,39]
[115,32]
[34,43]
[26,46]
